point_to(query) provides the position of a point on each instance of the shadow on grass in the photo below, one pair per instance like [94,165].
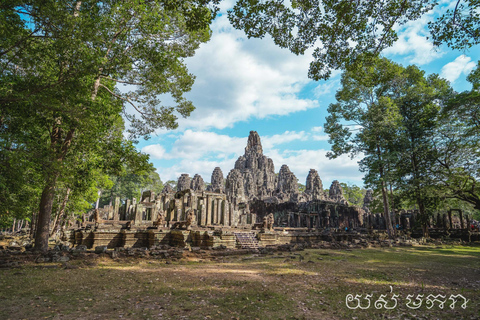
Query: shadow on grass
[312,284]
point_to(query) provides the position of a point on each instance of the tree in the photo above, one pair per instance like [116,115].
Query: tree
[420,100]
[364,121]
[301,187]
[344,33]
[396,111]
[61,71]
[173,184]
[354,194]
[458,28]
[130,183]
[457,153]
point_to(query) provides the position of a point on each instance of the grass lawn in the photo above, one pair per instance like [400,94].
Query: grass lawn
[310,284]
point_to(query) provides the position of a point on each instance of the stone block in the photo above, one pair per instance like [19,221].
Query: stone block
[100,249]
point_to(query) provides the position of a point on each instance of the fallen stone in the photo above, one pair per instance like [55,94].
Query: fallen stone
[81,247]
[100,249]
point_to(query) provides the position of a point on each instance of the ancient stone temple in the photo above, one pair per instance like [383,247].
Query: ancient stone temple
[335,193]
[314,186]
[287,187]
[197,183]
[367,200]
[183,182]
[217,183]
[257,171]
[251,201]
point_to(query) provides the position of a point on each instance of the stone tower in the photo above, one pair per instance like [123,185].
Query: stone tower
[257,170]
[183,182]
[336,193]
[217,181]
[314,186]
[197,183]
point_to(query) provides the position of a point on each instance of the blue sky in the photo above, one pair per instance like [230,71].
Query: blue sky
[250,84]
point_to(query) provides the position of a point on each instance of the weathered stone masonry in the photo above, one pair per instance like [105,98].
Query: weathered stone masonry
[245,202]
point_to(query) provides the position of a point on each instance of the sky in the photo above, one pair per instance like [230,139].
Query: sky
[251,84]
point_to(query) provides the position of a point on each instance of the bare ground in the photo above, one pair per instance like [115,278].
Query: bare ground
[309,284]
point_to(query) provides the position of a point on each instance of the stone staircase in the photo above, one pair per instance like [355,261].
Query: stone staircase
[246,240]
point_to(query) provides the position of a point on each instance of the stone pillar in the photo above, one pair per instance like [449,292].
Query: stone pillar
[230,214]
[223,216]
[163,202]
[200,215]
[185,205]
[127,210]
[177,211]
[168,212]
[203,213]
[138,213]
[215,211]
[209,211]
[116,209]
[155,210]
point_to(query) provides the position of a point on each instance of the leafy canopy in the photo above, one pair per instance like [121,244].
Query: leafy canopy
[345,32]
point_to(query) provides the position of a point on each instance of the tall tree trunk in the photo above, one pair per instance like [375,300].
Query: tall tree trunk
[33,225]
[59,148]
[43,223]
[386,213]
[13,225]
[393,203]
[418,194]
[61,213]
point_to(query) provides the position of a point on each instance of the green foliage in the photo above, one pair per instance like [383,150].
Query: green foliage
[347,33]
[173,184]
[390,114]
[301,187]
[457,152]
[419,138]
[354,194]
[60,106]
[458,28]
[130,184]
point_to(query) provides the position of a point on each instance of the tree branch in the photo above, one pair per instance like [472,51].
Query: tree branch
[124,99]
[120,81]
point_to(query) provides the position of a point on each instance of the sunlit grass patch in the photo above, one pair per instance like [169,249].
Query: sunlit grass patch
[310,284]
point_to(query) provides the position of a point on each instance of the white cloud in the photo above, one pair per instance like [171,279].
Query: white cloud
[239,79]
[316,136]
[196,144]
[200,152]
[461,65]
[196,166]
[412,42]
[268,142]
[329,87]
[156,151]
[300,162]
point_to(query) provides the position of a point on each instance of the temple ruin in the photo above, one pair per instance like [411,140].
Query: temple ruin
[252,206]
